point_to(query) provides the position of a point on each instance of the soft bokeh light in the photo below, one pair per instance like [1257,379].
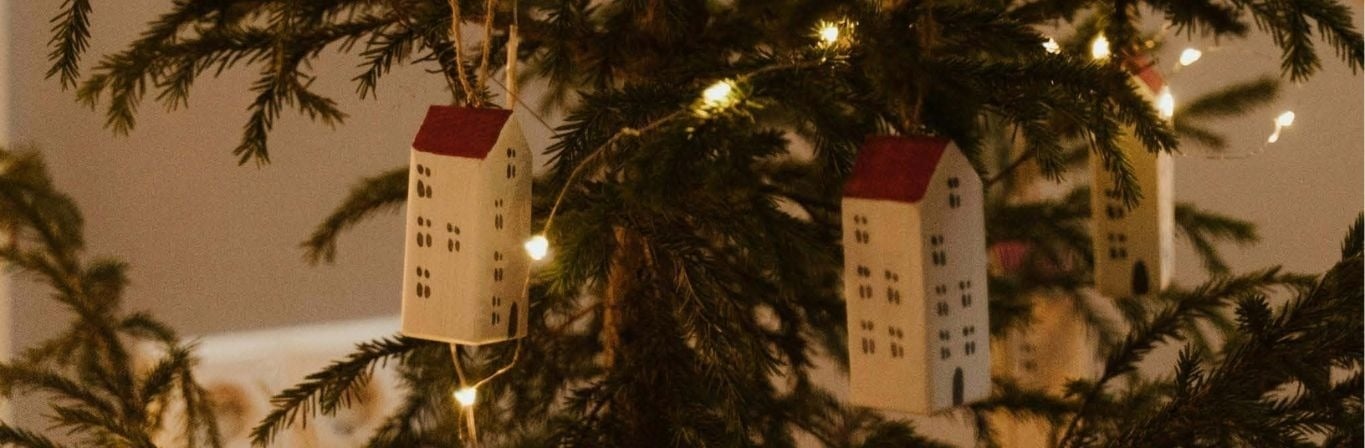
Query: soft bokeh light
[1189,56]
[1165,103]
[1051,46]
[1285,119]
[829,33]
[467,396]
[537,247]
[1282,121]
[1099,48]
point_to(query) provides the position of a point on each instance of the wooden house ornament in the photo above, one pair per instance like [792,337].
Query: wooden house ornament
[469,210]
[915,276]
[1134,248]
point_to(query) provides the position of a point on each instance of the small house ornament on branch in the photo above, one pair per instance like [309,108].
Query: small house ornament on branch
[915,276]
[469,210]
[1134,247]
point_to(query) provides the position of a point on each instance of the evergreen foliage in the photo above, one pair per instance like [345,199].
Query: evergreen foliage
[696,282]
[97,391]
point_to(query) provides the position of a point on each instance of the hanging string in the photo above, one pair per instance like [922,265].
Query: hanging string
[458,42]
[488,14]
[512,40]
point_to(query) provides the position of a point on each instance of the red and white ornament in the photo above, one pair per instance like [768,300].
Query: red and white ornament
[469,211]
[1134,248]
[915,276]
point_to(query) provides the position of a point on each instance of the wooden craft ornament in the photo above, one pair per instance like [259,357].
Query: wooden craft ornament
[1134,248]
[915,277]
[469,212]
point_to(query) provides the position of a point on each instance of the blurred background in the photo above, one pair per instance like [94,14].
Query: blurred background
[214,246]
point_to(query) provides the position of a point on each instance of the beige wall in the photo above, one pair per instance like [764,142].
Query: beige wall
[213,246]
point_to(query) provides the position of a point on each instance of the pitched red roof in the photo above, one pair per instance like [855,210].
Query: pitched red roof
[1144,68]
[895,168]
[460,131]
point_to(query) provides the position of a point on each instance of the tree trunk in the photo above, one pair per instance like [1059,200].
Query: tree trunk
[621,280]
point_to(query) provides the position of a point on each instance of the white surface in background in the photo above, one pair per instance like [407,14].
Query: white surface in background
[243,370]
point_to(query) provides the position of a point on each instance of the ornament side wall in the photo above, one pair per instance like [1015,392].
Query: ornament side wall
[1055,349]
[960,318]
[507,175]
[1134,248]
[884,290]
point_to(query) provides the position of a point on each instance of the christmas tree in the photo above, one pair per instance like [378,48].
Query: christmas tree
[692,205]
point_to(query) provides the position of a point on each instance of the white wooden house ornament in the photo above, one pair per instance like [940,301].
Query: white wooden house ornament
[1134,248]
[469,211]
[915,276]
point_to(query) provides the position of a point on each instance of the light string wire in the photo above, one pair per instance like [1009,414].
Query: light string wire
[457,41]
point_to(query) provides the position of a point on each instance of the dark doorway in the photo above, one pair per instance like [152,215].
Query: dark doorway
[512,321]
[1141,280]
[957,387]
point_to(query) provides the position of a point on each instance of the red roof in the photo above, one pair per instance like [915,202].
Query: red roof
[1145,69]
[895,168]
[460,131]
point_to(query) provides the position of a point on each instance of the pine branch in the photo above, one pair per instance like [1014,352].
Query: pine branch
[1202,17]
[383,192]
[1231,100]
[14,377]
[1204,229]
[70,38]
[1354,242]
[331,388]
[1189,132]
[1287,22]
[18,437]
[1165,325]
[1297,344]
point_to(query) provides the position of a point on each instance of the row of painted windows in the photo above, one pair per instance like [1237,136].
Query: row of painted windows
[968,349]
[423,190]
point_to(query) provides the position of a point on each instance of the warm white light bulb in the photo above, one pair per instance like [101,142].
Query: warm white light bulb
[537,247]
[1282,121]
[1099,48]
[1285,119]
[717,98]
[718,95]
[1189,56]
[829,33]
[1051,46]
[1165,103]
[466,396]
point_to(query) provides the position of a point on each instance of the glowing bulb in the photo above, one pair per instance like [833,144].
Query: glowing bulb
[1051,46]
[1099,48]
[1285,119]
[719,93]
[829,34]
[1165,103]
[466,396]
[537,247]
[716,98]
[1189,56]
[1282,121]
